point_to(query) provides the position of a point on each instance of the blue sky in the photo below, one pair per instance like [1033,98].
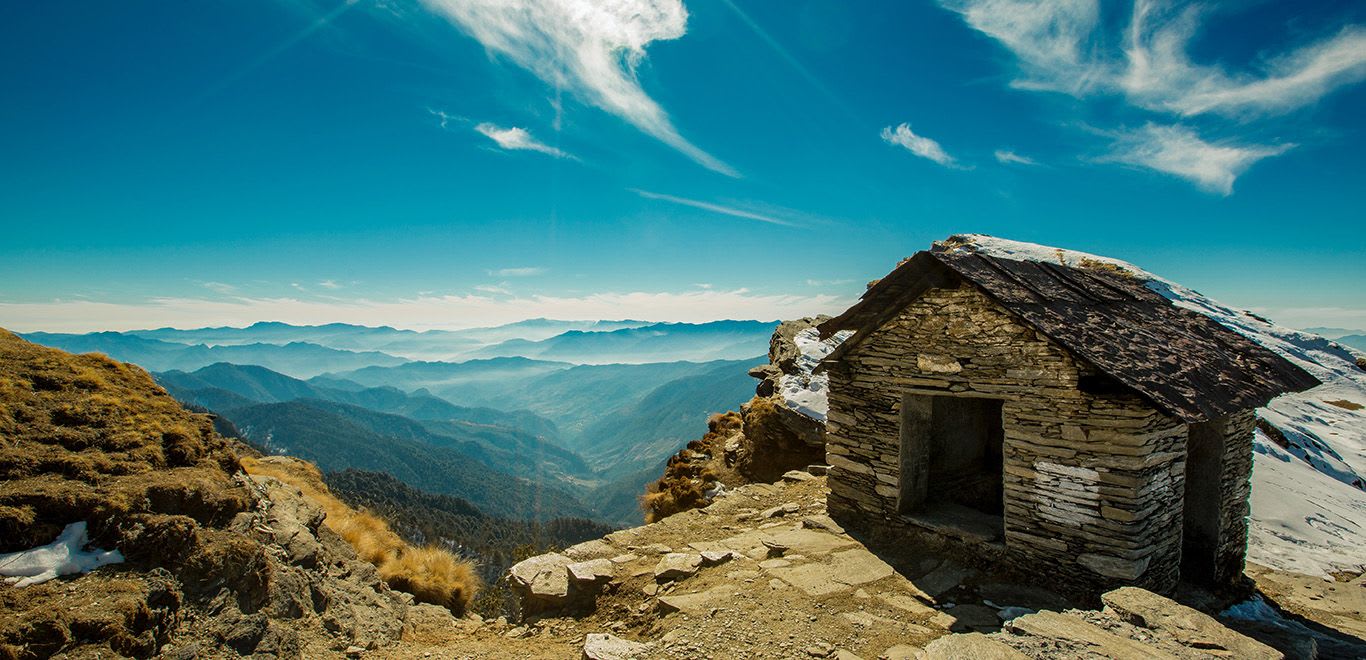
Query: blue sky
[447,163]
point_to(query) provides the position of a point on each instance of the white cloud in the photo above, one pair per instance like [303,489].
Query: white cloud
[590,48]
[220,287]
[1064,46]
[1178,151]
[518,272]
[487,288]
[1051,39]
[1161,76]
[329,284]
[444,117]
[518,139]
[1008,157]
[916,144]
[716,208]
[1060,46]
[421,312]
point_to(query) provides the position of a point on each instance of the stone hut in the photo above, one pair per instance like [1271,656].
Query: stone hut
[1068,420]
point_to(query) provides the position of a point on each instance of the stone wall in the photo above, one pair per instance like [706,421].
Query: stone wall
[1235,493]
[1093,483]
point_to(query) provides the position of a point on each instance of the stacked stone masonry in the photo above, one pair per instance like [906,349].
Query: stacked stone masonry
[1093,483]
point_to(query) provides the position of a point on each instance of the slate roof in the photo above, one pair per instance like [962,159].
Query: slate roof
[1183,362]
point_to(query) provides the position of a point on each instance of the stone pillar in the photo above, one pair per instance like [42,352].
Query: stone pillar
[1236,490]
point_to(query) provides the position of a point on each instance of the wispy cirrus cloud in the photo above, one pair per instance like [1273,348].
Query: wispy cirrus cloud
[456,310]
[723,209]
[1008,157]
[1159,74]
[919,145]
[1179,151]
[220,287]
[525,271]
[590,49]
[1052,40]
[1064,46]
[513,138]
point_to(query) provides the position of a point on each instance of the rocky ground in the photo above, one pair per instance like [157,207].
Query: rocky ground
[764,573]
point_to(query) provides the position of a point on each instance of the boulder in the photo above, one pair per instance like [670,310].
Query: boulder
[542,582]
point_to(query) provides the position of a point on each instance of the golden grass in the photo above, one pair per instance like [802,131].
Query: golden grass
[684,483]
[431,575]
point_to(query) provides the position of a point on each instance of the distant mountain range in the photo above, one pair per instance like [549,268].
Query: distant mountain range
[575,416]
[410,344]
[295,358]
[660,342]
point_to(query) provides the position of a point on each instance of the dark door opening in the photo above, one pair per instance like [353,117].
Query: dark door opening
[1201,510]
[951,452]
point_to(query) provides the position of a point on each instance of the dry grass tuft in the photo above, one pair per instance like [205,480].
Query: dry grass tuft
[686,481]
[431,575]
[1345,404]
[1096,265]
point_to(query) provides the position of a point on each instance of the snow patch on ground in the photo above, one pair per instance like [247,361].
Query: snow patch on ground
[804,391]
[65,556]
[1308,508]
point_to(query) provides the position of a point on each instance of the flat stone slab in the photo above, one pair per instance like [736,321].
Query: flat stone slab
[701,602]
[604,646]
[715,557]
[975,646]
[1076,632]
[908,604]
[677,565]
[590,550]
[812,543]
[593,570]
[940,580]
[1187,626]
[822,522]
[845,570]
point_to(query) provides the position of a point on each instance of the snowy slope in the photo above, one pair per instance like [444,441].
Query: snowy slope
[1308,507]
[802,390]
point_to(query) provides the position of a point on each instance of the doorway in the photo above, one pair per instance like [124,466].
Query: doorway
[1201,509]
[951,453]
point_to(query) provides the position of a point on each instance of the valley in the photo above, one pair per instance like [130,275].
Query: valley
[578,425]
